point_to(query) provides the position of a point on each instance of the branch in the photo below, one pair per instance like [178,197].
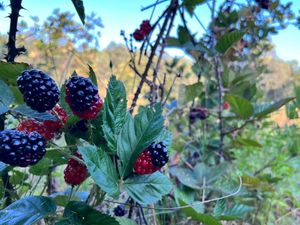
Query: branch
[13,51]
[153,95]
[173,7]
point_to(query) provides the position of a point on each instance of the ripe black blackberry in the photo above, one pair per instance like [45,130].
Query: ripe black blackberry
[198,113]
[39,90]
[120,210]
[82,97]
[21,149]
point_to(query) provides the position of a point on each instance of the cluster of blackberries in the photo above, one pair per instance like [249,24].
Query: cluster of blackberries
[26,145]
[143,31]
[152,159]
[198,113]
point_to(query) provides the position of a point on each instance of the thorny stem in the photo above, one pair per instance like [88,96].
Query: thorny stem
[16,6]
[173,6]
[13,51]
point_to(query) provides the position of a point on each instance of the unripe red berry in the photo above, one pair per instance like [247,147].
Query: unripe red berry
[75,172]
[138,35]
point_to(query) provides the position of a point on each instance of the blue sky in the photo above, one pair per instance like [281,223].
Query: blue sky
[126,15]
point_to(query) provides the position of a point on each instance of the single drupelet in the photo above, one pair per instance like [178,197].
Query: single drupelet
[39,90]
[152,159]
[21,149]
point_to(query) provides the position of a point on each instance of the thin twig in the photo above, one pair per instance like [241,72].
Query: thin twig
[162,50]
[173,6]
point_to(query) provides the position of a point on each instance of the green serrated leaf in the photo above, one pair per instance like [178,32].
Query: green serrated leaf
[137,134]
[188,93]
[291,110]
[101,168]
[10,71]
[3,167]
[79,213]
[125,221]
[78,4]
[265,109]
[240,106]
[185,176]
[56,156]
[190,5]
[226,41]
[17,95]
[183,35]
[92,75]
[62,101]
[248,142]
[27,111]
[42,168]
[236,211]
[6,95]
[209,173]
[3,109]
[114,112]
[147,189]
[27,211]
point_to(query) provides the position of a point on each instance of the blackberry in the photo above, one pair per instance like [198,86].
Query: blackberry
[39,90]
[120,210]
[138,35]
[21,149]
[198,113]
[146,27]
[82,97]
[152,159]
[75,172]
[30,125]
[49,129]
